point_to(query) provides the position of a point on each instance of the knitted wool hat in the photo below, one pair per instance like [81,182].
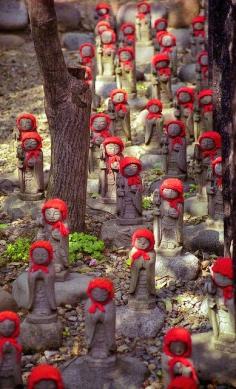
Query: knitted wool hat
[99,115]
[101,26]
[9,315]
[125,94]
[45,372]
[215,136]
[154,102]
[126,49]
[177,334]
[160,35]
[144,233]
[26,116]
[160,20]
[183,383]
[114,139]
[175,184]
[198,19]
[128,161]
[223,266]
[159,58]
[125,25]
[204,93]
[103,6]
[58,204]
[179,123]
[31,135]
[185,89]
[148,6]
[42,244]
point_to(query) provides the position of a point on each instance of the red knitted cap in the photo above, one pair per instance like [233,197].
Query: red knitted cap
[147,4]
[198,19]
[128,161]
[114,139]
[183,383]
[180,123]
[185,89]
[102,23]
[205,92]
[212,135]
[160,35]
[159,58]
[160,20]
[31,135]
[200,55]
[42,244]
[113,35]
[144,233]
[26,116]
[224,266]
[172,183]
[45,372]
[58,204]
[102,6]
[124,25]
[115,91]
[101,283]
[177,334]
[87,44]
[127,48]
[155,102]
[99,115]
[9,315]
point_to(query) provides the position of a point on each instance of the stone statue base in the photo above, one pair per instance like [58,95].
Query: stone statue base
[36,319]
[40,336]
[213,364]
[196,206]
[134,323]
[84,372]
[104,87]
[30,196]
[209,238]
[183,267]
[67,292]
[129,222]
[98,204]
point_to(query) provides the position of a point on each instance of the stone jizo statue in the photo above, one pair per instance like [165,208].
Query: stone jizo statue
[54,228]
[214,191]
[87,54]
[10,351]
[184,110]
[106,52]
[99,28]
[129,192]
[99,130]
[168,217]
[119,112]
[111,155]
[198,36]
[103,12]
[202,71]
[25,122]
[143,22]
[160,24]
[167,44]
[142,282]
[127,35]
[204,111]
[30,166]
[154,125]
[125,71]
[45,377]
[161,79]
[100,320]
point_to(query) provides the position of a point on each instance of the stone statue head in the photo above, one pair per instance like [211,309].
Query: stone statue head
[86,50]
[167,40]
[177,342]
[198,26]
[100,290]
[113,145]
[174,129]
[217,166]
[206,100]
[45,377]
[170,193]
[154,106]
[171,190]
[184,97]
[207,143]
[31,141]
[178,348]
[102,26]
[143,7]
[26,122]
[9,324]
[143,239]
[198,23]
[100,122]
[112,149]
[160,25]
[119,97]
[204,59]
[52,215]
[222,272]
[131,170]
[162,64]
[107,37]
[102,9]
[128,30]
[125,55]
[41,253]
[30,144]
[54,210]
[210,140]
[130,166]
[46,384]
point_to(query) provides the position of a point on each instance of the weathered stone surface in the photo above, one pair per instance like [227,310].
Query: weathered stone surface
[205,238]
[73,40]
[92,185]
[99,205]
[187,73]
[150,161]
[144,54]
[68,15]
[181,12]
[10,41]
[18,209]
[13,15]
[104,88]
[7,186]
[195,207]
[183,267]
[7,302]
[126,373]
[208,361]
[139,324]
[69,291]
[127,12]
[182,37]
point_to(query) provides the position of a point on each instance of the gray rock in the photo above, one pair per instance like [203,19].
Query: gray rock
[182,37]
[10,41]
[195,207]
[204,237]
[68,15]
[204,308]
[143,54]
[127,12]
[99,205]
[13,15]
[126,373]
[69,291]
[183,267]
[138,103]
[139,324]
[7,186]
[150,161]
[73,40]
[104,88]
[187,73]
[7,302]
[18,209]
[92,185]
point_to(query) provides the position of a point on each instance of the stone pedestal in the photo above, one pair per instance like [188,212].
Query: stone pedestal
[103,86]
[125,372]
[69,291]
[211,364]
[30,196]
[183,267]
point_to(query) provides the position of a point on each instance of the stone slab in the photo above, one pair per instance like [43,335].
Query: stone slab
[139,324]
[127,373]
[13,15]
[69,291]
[204,237]
[183,267]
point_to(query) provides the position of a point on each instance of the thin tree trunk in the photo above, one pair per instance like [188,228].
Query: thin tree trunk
[67,106]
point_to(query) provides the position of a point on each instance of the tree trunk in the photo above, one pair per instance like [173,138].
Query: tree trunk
[67,106]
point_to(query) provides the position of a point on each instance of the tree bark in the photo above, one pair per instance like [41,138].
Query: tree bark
[67,105]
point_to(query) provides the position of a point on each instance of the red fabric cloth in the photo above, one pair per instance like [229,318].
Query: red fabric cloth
[26,116]
[224,266]
[142,233]
[177,334]
[130,63]
[87,59]
[45,372]
[100,115]
[213,164]
[179,138]
[120,106]
[9,315]
[215,136]
[134,180]
[99,26]
[130,36]
[204,93]
[183,383]
[184,362]
[160,20]
[175,184]
[101,283]
[190,91]
[198,19]
[152,115]
[41,244]
[62,207]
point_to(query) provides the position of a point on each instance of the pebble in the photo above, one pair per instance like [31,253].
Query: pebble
[123,348]
[49,354]
[151,366]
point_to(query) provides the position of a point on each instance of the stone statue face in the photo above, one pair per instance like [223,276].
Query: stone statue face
[40,255]
[142,8]
[161,26]
[178,348]
[106,37]
[52,215]
[118,98]
[87,51]
[154,108]
[174,129]
[30,144]
[167,41]
[100,294]
[7,328]
[184,97]
[26,124]
[170,193]
[198,26]
[112,149]
[162,64]
[222,280]
[218,169]
[207,144]
[46,384]
[125,56]
[204,60]
[102,11]
[128,30]
[131,170]
[206,100]
[100,123]
[142,243]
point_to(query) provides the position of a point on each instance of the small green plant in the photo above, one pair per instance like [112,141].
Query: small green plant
[18,251]
[3,226]
[147,202]
[80,243]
